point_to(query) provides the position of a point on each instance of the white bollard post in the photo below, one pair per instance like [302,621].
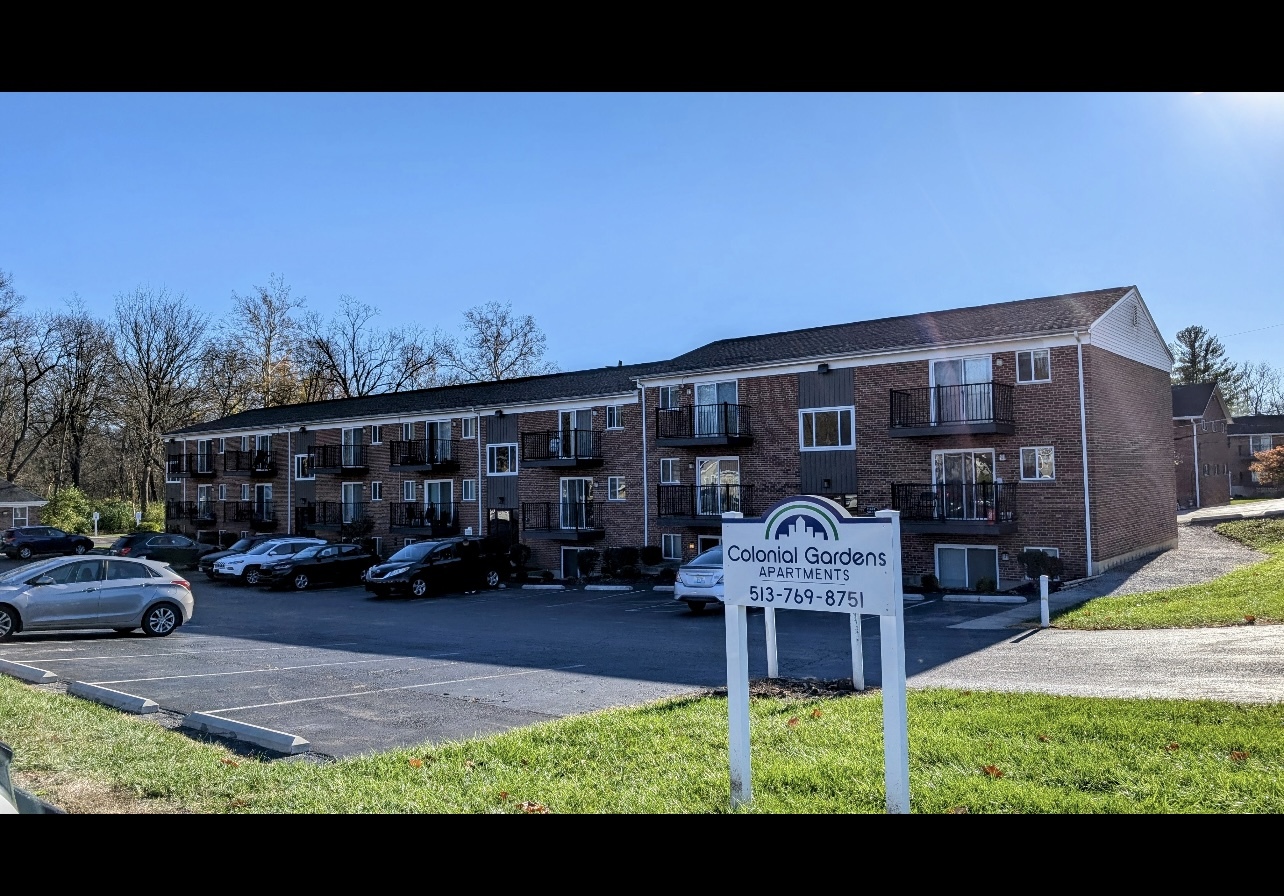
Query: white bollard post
[773,665]
[738,704]
[1043,602]
[858,654]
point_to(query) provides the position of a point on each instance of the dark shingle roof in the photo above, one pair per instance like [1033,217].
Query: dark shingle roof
[1255,424]
[601,381]
[1192,400]
[1051,314]
[16,494]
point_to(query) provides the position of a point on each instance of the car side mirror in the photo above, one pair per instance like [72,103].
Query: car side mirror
[43,580]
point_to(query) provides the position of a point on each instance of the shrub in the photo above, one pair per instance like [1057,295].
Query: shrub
[986,586]
[586,561]
[628,556]
[651,555]
[667,576]
[155,513]
[930,582]
[115,515]
[519,555]
[148,526]
[1037,563]
[547,575]
[629,573]
[68,509]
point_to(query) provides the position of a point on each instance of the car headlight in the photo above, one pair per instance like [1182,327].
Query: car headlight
[395,571]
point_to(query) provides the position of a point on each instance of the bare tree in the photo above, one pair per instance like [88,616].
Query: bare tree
[497,345]
[29,354]
[159,341]
[9,298]
[81,384]
[1261,390]
[263,327]
[348,356]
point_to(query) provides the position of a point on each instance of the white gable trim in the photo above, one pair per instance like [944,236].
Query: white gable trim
[1114,332]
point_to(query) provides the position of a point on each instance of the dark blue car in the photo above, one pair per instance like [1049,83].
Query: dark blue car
[27,541]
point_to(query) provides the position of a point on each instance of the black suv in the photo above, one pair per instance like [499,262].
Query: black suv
[176,550]
[206,564]
[462,563]
[25,542]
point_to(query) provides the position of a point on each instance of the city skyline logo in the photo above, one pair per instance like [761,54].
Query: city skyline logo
[802,521]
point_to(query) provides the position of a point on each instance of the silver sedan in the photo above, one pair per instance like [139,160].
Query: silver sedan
[85,593]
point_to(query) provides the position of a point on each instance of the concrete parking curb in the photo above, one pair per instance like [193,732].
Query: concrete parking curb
[608,587]
[26,673]
[267,738]
[662,588]
[118,699]
[543,587]
[985,598]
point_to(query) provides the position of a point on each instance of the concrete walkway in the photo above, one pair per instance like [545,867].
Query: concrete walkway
[1236,510]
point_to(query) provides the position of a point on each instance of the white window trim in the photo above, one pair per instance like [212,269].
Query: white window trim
[617,411]
[512,454]
[1051,552]
[246,494]
[838,410]
[413,490]
[468,428]
[297,477]
[1016,360]
[222,492]
[615,485]
[1037,448]
[673,466]
[376,434]
[222,445]
[936,556]
[465,489]
[676,390]
[670,538]
[376,490]
[931,366]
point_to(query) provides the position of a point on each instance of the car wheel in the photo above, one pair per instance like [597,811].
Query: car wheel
[492,578]
[696,606]
[24,553]
[419,586]
[160,620]
[301,581]
[8,623]
[251,575]
[80,549]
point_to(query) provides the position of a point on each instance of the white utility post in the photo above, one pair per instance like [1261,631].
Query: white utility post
[858,654]
[1044,621]
[95,522]
[769,622]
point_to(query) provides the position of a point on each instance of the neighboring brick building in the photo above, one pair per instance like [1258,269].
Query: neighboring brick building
[1202,451]
[981,425]
[19,507]
[1247,436]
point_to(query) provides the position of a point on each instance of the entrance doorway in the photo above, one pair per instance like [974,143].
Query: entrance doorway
[963,566]
[704,542]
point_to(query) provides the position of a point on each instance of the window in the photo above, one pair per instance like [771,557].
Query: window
[669,397]
[245,491]
[668,470]
[1051,552]
[378,545]
[1034,366]
[615,488]
[408,491]
[1037,463]
[407,432]
[469,426]
[171,473]
[263,443]
[613,418]
[671,546]
[1205,469]
[470,487]
[222,492]
[1258,443]
[822,429]
[303,467]
[376,435]
[376,491]
[501,460]
[222,445]
[20,516]
[245,443]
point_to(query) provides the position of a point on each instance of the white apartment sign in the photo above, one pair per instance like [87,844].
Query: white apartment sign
[808,553]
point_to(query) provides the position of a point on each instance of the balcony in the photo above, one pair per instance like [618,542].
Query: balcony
[203,466]
[972,409]
[331,514]
[424,520]
[956,508]
[572,521]
[702,506]
[569,448]
[175,466]
[703,425]
[338,458]
[258,464]
[258,516]
[437,455]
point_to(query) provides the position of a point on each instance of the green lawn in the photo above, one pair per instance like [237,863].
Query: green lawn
[969,752]
[1253,595]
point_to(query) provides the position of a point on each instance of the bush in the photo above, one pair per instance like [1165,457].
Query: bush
[629,573]
[148,526]
[115,515]
[69,510]
[930,582]
[651,555]
[986,586]
[155,513]
[667,576]
[547,575]
[628,556]
[1037,563]
[586,561]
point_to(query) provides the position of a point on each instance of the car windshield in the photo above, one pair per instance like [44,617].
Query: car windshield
[28,570]
[243,545]
[711,557]
[262,548]
[308,552]
[413,552]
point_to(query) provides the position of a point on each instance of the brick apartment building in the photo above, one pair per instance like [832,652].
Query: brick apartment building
[1043,423]
[1203,453]
[1247,436]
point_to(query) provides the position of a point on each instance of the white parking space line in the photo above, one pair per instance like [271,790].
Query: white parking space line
[404,687]
[667,603]
[614,595]
[136,656]
[248,671]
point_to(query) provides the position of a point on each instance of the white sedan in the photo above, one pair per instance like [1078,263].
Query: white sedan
[700,581]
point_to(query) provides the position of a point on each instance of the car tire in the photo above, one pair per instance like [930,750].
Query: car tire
[301,581]
[9,623]
[161,620]
[696,606]
[419,587]
[492,578]
[24,553]
[79,549]
[252,576]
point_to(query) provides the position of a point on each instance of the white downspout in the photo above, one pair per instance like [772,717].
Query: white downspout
[1083,441]
[480,477]
[646,488]
[289,483]
[1194,440]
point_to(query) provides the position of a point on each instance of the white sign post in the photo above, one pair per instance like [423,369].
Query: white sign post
[138,517]
[809,553]
[95,522]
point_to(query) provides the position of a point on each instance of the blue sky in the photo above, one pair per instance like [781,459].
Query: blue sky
[638,226]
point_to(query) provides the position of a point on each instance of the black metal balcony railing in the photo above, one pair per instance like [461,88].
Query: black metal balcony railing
[338,457]
[258,514]
[977,502]
[435,519]
[564,447]
[952,406]
[202,464]
[256,463]
[568,516]
[435,453]
[721,422]
[710,501]
[192,511]
[334,513]
[204,511]
[175,465]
